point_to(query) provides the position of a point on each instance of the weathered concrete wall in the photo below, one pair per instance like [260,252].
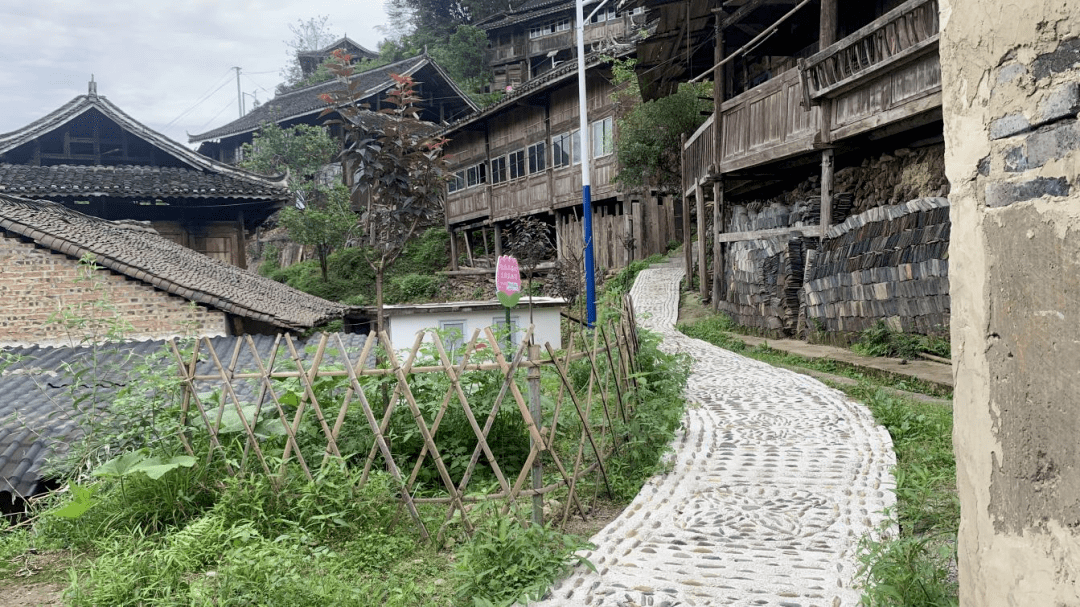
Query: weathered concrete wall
[36,284]
[1011,93]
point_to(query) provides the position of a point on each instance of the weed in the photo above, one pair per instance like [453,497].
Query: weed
[880,340]
[506,561]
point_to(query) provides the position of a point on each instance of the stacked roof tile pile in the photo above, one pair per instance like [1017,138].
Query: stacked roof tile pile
[42,384]
[143,255]
[888,263]
[131,181]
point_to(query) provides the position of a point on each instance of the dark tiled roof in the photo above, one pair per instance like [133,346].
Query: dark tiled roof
[145,256]
[40,385]
[530,9]
[343,43]
[242,180]
[133,181]
[306,101]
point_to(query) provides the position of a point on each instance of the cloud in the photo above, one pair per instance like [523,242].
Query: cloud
[158,60]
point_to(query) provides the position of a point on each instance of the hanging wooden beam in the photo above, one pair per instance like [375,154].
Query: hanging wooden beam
[749,45]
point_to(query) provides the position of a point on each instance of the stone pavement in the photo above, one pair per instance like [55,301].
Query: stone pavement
[776,477]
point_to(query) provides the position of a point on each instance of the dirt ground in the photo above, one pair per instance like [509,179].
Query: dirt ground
[38,580]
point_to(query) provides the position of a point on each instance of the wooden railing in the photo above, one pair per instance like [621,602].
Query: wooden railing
[699,155]
[769,122]
[902,34]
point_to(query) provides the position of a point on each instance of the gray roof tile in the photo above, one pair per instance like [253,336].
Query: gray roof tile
[129,250]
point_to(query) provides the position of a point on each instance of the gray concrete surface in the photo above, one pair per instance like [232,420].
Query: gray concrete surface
[775,479]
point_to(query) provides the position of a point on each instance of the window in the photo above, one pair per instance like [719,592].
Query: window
[604,15]
[537,30]
[562,26]
[456,182]
[602,137]
[475,175]
[498,169]
[537,157]
[565,149]
[517,164]
[453,335]
[561,150]
[499,325]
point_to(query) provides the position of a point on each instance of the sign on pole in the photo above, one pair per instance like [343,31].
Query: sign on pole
[507,278]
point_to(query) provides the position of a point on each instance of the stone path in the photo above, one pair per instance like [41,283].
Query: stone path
[776,478]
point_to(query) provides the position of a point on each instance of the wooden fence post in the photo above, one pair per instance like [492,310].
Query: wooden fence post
[534,406]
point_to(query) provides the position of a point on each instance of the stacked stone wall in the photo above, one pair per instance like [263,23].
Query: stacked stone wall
[888,264]
[36,284]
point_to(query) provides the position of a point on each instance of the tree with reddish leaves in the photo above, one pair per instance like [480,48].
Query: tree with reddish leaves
[394,165]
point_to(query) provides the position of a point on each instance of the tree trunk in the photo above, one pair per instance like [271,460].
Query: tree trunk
[379,321]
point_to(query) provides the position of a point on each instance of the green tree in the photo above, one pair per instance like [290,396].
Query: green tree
[321,217]
[310,35]
[649,145]
[395,164]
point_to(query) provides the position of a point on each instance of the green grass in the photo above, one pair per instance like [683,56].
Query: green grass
[720,330]
[908,564]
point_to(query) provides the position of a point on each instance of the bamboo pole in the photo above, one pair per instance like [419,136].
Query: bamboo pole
[289,432]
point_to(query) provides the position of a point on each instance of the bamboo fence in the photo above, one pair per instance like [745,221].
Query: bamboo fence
[597,413]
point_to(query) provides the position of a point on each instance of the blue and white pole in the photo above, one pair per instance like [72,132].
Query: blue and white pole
[586,161]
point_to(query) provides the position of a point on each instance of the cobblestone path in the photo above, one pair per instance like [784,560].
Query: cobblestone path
[776,478]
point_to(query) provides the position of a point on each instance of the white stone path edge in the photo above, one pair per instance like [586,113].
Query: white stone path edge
[776,478]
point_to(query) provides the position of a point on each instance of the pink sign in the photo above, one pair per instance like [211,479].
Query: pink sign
[507,275]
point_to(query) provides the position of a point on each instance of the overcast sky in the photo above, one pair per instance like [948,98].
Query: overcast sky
[166,63]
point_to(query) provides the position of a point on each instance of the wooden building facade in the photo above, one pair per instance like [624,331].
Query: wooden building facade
[539,36]
[522,157]
[797,83]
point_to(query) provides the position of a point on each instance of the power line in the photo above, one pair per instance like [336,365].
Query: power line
[205,98]
[225,107]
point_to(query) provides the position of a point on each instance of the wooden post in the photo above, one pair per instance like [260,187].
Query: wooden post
[487,252]
[498,241]
[702,237]
[537,415]
[826,190]
[718,247]
[453,251]
[637,220]
[688,244]
[829,25]
[468,248]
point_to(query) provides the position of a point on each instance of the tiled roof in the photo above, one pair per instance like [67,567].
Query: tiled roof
[243,180]
[133,181]
[306,101]
[145,256]
[530,9]
[343,43]
[40,386]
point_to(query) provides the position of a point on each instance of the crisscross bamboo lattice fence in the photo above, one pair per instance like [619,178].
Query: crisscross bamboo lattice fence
[598,408]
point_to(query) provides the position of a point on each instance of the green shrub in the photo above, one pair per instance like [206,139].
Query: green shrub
[413,288]
[506,561]
[880,340]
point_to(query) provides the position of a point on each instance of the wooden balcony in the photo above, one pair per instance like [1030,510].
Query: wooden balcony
[880,75]
[900,36]
[699,155]
[767,123]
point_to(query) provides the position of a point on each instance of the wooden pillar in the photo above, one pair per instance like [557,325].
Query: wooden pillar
[718,228]
[702,237]
[498,241]
[468,249]
[637,219]
[487,252]
[829,24]
[453,250]
[688,244]
[826,190]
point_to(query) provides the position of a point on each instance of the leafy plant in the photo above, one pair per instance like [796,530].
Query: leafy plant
[395,166]
[880,340]
[506,561]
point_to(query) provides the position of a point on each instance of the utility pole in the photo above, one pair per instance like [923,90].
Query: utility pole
[239,95]
[586,161]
